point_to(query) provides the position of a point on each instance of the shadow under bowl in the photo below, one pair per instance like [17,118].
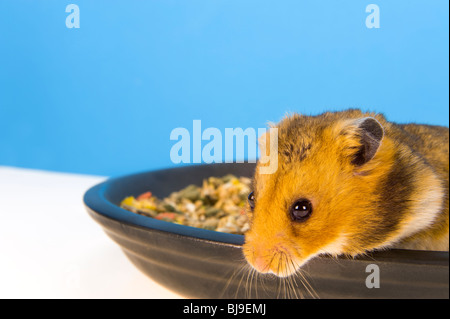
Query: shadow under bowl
[199,263]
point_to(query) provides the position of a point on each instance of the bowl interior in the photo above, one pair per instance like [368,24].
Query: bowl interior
[107,196]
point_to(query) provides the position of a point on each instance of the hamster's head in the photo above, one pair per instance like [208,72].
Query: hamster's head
[319,200]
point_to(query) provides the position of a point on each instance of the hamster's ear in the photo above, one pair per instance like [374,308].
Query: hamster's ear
[370,134]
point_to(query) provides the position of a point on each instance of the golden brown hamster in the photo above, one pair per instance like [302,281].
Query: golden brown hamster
[347,183]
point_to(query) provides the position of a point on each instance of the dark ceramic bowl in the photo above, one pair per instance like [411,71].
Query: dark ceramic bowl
[198,263]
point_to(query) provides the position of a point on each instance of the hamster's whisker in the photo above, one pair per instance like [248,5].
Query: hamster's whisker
[309,288]
[270,262]
[286,279]
[301,274]
[280,281]
[293,280]
[254,281]
[282,262]
[278,271]
[256,275]
[294,287]
[235,273]
[290,279]
[250,282]
[244,270]
[247,287]
[263,283]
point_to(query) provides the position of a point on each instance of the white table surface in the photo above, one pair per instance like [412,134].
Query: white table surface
[51,248]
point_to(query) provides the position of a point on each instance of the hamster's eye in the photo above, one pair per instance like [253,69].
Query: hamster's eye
[251,200]
[301,210]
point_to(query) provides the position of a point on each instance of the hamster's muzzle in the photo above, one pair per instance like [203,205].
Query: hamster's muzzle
[276,259]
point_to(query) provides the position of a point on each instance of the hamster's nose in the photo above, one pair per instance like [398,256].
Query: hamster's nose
[261,265]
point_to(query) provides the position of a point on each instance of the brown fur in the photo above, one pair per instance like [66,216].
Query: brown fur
[400,198]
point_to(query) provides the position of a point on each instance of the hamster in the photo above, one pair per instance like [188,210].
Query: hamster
[348,183]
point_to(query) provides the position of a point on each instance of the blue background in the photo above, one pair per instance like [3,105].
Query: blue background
[103,99]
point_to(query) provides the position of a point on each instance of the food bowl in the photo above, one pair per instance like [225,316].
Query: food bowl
[200,263]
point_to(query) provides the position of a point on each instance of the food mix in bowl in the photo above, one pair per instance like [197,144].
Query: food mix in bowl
[219,204]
